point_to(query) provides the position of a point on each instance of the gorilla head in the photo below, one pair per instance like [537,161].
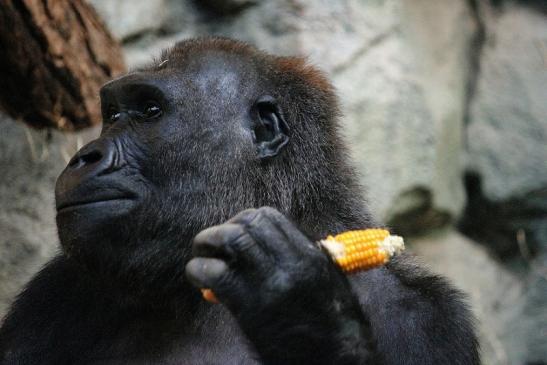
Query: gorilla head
[211,129]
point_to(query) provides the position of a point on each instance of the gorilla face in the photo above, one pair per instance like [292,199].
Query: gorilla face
[180,149]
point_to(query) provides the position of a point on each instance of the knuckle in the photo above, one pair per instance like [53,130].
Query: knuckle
[277,217]
[244,216]
[247,212]
[269,212]
[268,215]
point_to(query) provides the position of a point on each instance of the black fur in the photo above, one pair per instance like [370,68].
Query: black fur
[211,129]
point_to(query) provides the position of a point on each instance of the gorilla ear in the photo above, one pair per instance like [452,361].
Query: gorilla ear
[269,127]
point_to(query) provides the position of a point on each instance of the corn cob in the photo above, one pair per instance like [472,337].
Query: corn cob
[361,250]
[353,251]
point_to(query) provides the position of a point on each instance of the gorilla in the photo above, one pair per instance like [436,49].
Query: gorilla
[219,166]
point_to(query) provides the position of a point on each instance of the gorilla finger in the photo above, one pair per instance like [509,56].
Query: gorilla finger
[215,241]
[205,272]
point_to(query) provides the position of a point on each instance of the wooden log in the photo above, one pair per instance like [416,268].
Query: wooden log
[54,56]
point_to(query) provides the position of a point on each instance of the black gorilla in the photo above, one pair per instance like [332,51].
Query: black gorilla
[213,129]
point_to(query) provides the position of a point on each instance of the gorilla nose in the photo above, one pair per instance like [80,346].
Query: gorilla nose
[86,169]
[92,160]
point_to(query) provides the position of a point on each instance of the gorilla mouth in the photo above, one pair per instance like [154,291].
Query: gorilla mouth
[64,205]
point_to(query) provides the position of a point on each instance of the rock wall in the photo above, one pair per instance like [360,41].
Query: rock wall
[30,162]
[445,111]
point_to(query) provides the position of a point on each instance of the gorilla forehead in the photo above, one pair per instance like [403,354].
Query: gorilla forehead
[215,74]
[219,74]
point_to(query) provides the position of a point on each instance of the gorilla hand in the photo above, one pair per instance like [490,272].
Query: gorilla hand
[292,302]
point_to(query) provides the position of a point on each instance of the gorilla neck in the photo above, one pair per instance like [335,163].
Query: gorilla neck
[332,213]
[144,267]
[137,272]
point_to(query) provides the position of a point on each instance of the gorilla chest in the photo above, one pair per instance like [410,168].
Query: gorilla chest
[215,340]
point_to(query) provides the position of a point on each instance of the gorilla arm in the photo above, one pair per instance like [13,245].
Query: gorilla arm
[296,307]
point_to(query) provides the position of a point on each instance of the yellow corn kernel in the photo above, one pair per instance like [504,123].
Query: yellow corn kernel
[353,251]
[361,250]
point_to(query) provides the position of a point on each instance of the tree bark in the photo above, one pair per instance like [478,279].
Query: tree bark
[54,56]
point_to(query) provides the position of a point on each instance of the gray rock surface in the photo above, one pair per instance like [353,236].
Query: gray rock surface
[131,18]
[506,142]
[511,312]
[30,161]
[507,133]
[404,101]
[495,294]
[532,322]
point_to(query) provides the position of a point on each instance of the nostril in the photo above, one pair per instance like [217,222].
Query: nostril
[84,159]
[74,161]
[91,157]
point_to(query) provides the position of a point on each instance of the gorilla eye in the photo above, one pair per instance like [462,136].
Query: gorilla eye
[152,110]
[113,115]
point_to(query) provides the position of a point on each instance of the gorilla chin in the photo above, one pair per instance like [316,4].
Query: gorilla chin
[94,220]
